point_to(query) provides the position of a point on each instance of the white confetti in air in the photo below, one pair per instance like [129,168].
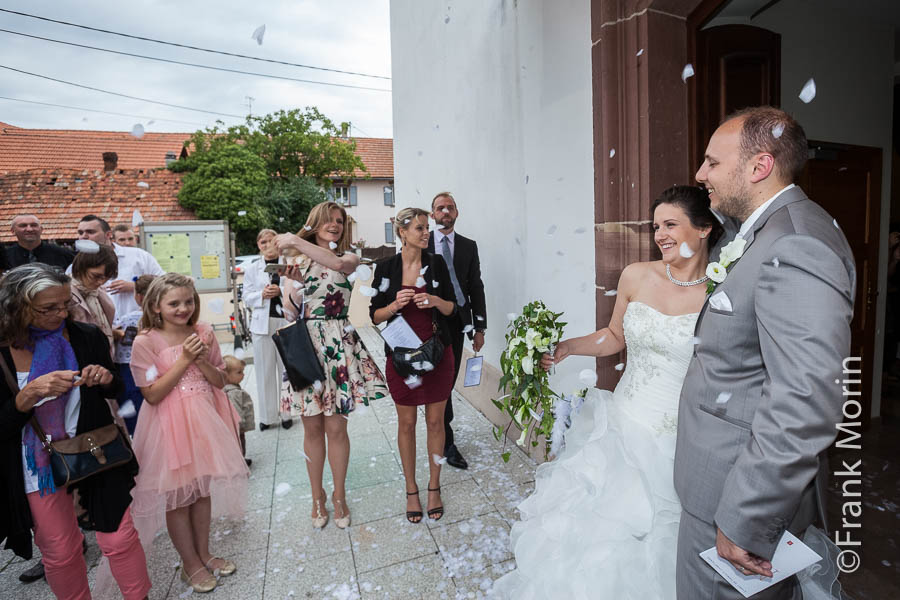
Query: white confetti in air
[620,366]
[297,285]
[580,230]
[425,302]
[349,329]
[351,277]
[778,130]
[695,340]
[445,210]
[434,283]
[610,293]
[406,221]
[282,488]
[723,398]
[317,385]
[87,246]
[136,218]
[601,340]
[534,415]
[551,230]
[775,262]
[467,329]
[588,377]
[303,454]
[137,130]
[332,245]
[384,285]
[216,305]
[639,52]
[808,93]
[687,71]
[413,381]
[279,310]
[834,221]
[423,269]
[612,152]
[685,251]
[127,410]
[240,353]
[364,272]
[151,374]
[242,213]
[512,316]
[420,282]
[368,292]
[307,228]
[438,459]
[143,184]
[258,34]
[479,318]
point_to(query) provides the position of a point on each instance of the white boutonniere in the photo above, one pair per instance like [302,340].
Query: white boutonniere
[717,271]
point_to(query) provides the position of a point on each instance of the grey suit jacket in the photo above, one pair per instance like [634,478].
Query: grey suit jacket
[747,465]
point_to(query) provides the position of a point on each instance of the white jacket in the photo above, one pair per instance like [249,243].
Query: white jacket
[255,281]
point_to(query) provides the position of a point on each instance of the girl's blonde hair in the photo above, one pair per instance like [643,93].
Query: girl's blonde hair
[319,216]
[406,216]
[159,288]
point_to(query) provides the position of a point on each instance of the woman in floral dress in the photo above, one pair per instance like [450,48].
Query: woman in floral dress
[316,286]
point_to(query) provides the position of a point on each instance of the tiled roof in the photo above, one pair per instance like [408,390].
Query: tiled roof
[378,156]
[60,197]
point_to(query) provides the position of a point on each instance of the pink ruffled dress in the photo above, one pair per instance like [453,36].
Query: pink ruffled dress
[188,444]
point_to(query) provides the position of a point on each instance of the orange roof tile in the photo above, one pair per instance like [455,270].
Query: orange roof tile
[60,197]
[378,156]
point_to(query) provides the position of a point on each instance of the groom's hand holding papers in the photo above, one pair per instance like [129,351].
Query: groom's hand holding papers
[743,561]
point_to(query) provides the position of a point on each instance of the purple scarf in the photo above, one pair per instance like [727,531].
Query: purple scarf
[50,352]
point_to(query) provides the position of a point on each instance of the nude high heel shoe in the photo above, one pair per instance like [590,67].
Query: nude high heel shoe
[341,522]
[321,517]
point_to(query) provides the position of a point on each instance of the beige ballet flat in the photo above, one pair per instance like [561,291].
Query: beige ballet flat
[321,517]
[225,570]
[207,585]
[341,522]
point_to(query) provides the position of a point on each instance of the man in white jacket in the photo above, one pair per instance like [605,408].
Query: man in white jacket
[263,295]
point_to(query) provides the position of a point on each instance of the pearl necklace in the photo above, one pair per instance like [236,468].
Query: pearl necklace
[684,283]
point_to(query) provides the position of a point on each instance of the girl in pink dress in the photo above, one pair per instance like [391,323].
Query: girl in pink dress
[187,434]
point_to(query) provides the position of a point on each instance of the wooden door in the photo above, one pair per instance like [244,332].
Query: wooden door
[846,181]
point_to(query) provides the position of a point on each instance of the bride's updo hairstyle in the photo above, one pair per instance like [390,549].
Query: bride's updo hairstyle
[694,201]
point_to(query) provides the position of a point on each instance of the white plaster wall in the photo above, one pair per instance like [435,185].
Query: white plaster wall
[370,213]
[492,101]
[851,59]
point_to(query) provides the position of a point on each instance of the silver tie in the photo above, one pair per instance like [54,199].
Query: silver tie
[445,252]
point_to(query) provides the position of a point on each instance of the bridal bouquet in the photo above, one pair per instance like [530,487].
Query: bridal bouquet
[528,401]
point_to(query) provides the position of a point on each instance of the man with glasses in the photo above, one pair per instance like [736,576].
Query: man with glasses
[29,246]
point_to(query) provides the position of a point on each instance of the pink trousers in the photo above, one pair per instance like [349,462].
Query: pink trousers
[57,535]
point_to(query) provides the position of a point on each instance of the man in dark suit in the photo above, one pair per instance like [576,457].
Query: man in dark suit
[461,255]
[29,246]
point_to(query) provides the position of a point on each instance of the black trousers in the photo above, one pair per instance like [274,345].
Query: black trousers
[457,341]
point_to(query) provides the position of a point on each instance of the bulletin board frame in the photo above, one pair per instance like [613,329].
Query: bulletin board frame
[200,249]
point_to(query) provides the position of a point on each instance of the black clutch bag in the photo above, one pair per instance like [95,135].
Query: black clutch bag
[411,361]
[298,355]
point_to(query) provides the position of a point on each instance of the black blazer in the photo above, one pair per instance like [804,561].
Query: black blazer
[468,271]
[391,268]
[105,495]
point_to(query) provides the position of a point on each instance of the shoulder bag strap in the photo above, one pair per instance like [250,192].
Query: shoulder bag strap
[14,388]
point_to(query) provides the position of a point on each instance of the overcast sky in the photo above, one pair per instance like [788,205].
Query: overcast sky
[350,35]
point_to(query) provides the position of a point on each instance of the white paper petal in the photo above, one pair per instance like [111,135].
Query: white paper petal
[420,282]
[775,262]
[834,222]
[242,213]
[364,272]
[723,398]
[588,377]
[127,409]
[87,246]
[307,228]
[137,130]
[601,340]
[143,184]
[384,285]
[467,329]
[258,34]
[351,277]
[612,152]
[349,329]
[151,374]
[685,251]
[639,52]
[136,218]
[423,269]
[620,366]
[610,293]
[413,381]
[438,459]
[279,310]
[332,245]
[435,283]
[808,93]
[687,71]
[282,488]
[317,385]
[778,130]
[368,292]
[479,318]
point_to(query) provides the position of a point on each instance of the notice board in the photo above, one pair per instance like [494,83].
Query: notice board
[200,249]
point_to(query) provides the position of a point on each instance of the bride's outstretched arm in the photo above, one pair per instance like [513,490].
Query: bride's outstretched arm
[609,340]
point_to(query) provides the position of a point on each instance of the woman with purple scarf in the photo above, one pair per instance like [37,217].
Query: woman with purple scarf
[63,374]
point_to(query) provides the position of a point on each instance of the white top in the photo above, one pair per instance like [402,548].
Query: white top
[754,216]
[73,409]
[439,244]
[133,262]
[255,281]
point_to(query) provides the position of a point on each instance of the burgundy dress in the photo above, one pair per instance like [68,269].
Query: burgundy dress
[435,385]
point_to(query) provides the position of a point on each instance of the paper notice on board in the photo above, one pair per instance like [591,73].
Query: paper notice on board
[209,266]
[172,251]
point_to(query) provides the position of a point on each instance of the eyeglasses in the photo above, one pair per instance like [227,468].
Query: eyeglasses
[97,277]
[51,310]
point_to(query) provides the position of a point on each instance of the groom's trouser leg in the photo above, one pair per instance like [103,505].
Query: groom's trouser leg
[696,580]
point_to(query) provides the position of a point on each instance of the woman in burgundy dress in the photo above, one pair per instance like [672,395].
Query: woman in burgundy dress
[416,284]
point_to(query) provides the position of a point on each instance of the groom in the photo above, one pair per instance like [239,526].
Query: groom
[760,400]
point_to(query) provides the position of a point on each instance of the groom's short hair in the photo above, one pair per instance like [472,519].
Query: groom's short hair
[769,129]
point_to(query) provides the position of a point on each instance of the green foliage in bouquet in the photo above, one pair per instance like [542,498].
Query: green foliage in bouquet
[528,399]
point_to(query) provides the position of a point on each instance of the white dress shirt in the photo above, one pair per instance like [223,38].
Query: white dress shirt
[439,245]
[756,214]
[133,262]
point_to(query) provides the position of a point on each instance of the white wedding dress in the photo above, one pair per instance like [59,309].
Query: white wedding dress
[602,522]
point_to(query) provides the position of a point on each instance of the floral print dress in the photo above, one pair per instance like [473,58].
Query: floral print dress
[351,376]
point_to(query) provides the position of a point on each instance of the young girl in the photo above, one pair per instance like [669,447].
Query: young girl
[186,439]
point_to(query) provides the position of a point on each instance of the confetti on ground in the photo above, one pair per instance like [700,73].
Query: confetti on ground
[137,130]
[609,293]
[282,488]
[258,34]
[620,366]
[588,377]
[87,246]
[368,291]
[143,184]
[687,71]
[685,251]
[723,398]
[778,130]
[808,93]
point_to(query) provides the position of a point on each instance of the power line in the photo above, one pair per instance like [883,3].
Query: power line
[87,87]
[188,64]
[146,39]
[94,110]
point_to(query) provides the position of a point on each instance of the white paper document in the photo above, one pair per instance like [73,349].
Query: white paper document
[473,371]
[791,556]
[398,334]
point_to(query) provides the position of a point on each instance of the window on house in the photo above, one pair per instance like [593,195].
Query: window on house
[388,233]
[343,194]
[388,195]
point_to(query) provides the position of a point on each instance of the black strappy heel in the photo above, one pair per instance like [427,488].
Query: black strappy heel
[414,514]
[436,513]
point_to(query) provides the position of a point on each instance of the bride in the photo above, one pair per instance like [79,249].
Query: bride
[603,519]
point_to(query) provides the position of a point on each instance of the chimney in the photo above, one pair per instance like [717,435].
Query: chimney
[170,158]
[110,161]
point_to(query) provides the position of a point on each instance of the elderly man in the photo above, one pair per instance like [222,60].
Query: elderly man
[133,262]
[29,246]
[123,235]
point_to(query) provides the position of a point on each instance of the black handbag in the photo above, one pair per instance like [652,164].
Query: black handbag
[410,361]
[86,454]
[298,355]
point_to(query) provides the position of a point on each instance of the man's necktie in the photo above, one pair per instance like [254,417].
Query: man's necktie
[445,252]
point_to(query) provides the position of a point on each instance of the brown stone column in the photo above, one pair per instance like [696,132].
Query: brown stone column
[639,48]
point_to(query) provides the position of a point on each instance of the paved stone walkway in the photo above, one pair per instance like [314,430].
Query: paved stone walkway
[280,555]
